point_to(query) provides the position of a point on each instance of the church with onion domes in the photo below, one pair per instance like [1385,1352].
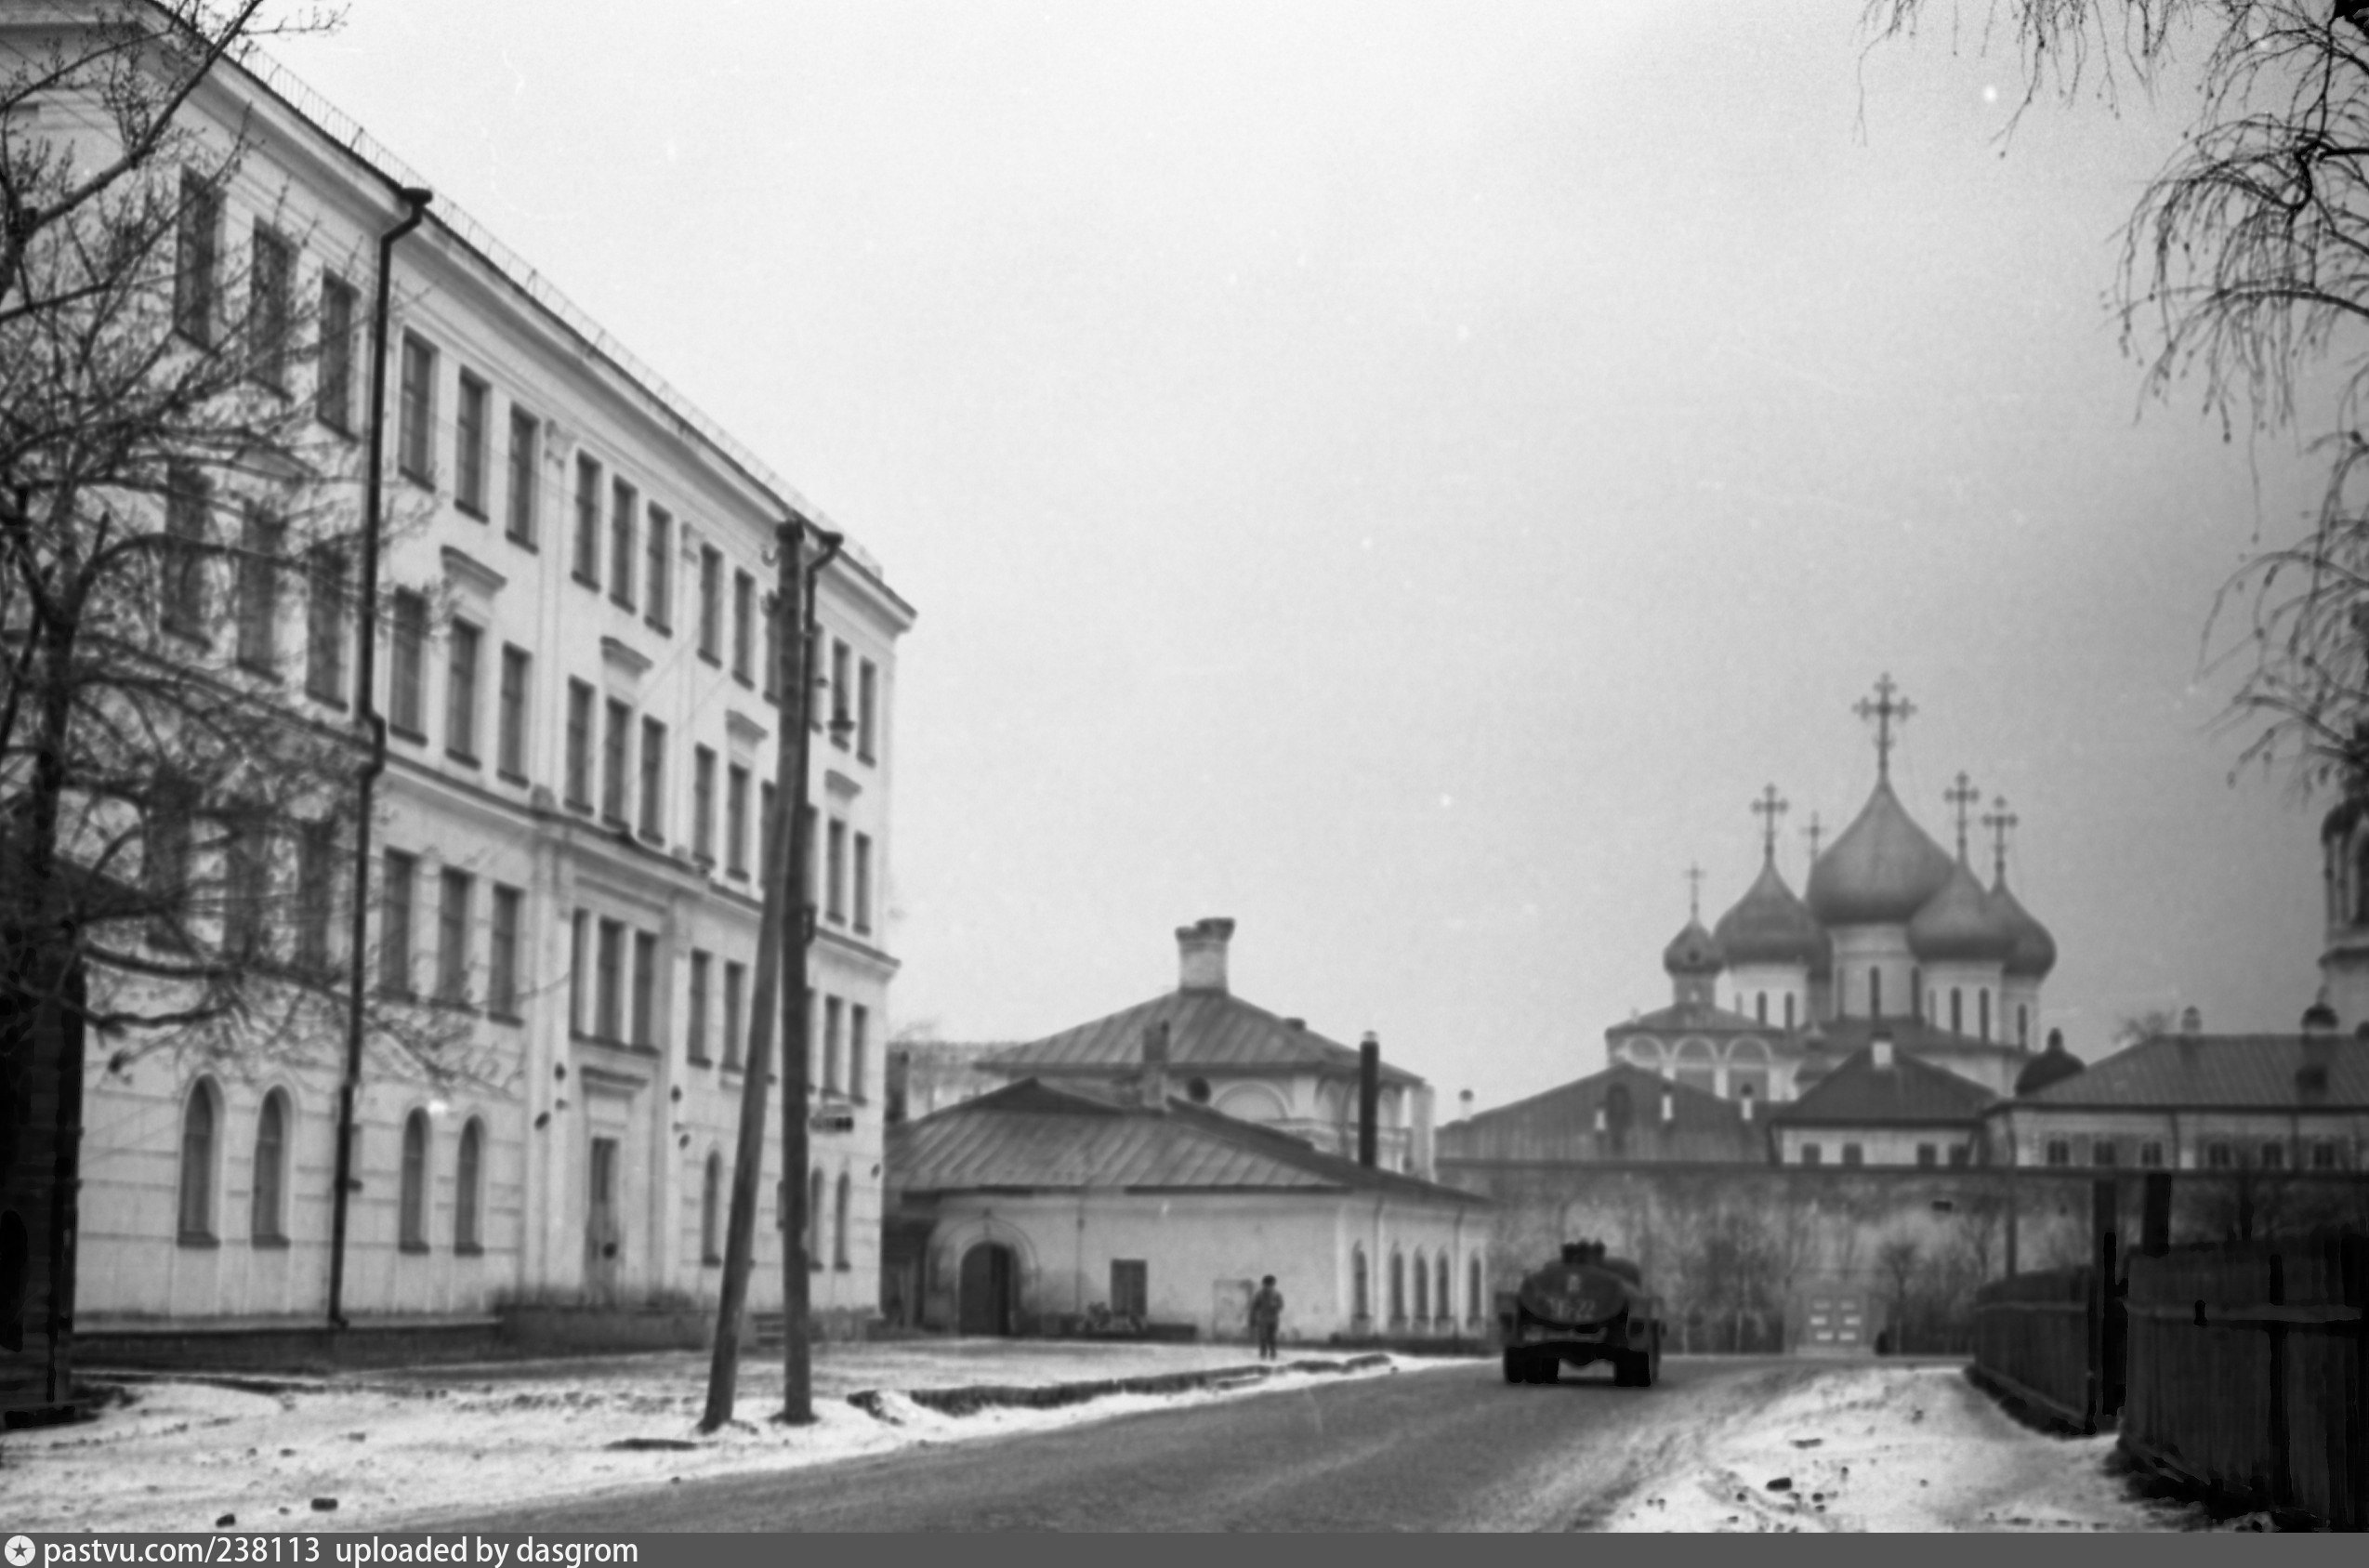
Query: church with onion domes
[1895,939]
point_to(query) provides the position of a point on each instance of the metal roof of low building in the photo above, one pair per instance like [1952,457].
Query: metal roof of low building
[1560,1124]
[1032,1136]
[2221,1072]
[1208,1030]
[1697,1017]
[1907,1093]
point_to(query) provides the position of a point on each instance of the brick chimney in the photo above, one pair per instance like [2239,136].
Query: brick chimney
[1153,1083]
[1201,953]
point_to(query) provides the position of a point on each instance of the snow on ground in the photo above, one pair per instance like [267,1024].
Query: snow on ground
[402,1448]
[1890,1448]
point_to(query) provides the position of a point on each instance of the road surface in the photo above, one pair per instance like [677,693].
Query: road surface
[1450,1448]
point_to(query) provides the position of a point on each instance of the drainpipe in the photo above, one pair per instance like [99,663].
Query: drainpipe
[366,714]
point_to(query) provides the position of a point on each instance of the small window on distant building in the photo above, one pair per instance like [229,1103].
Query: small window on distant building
[2103,1153]
[1789,1009]
[2151,1155]
[1961,1153]
[2323,1155]
[1198,1091]
[2059,1151]
[2273,1156]
[2218,1156]
[1927,1154]
[1760,1006]
[1130,1287]
[1812,1154]
[1853,1154]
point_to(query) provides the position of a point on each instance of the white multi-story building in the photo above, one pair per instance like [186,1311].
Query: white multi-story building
[581,752]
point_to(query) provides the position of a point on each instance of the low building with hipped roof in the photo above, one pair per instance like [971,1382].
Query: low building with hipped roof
[1883,1107]
[1046,1207]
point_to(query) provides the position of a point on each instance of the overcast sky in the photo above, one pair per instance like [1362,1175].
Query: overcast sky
[1406,478]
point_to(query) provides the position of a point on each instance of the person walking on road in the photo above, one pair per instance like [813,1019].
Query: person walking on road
[1266,1316]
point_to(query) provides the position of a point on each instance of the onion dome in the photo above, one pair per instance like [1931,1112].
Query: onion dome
[2051,1066]
[1881,871]
[2034,951]
[1770,925]
[1960,924]
[1694,952]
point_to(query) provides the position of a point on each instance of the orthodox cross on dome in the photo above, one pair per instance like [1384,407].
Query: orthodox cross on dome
[1695,892]
[1998,820]
[1962,795]
[1768,808]
[1883,710]
[1813,830]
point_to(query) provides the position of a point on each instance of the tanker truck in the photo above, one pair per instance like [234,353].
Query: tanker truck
[1581,1308]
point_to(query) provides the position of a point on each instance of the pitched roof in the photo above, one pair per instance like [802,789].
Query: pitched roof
[1698,1016]
[2220,1072]
[1908,1093]
[1209,1030]
[1560,1124]
[1032,1135]
[1913,1036]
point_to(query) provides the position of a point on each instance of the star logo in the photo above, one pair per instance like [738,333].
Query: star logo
[19,1550]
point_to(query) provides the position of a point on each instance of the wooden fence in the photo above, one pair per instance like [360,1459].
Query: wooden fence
[2245,1372]
[2032,1337]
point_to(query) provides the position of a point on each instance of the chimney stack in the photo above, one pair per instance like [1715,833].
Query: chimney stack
[1369,1095]
[1201,953]
[2191,1022]
[2319,1019]
[1155,1066]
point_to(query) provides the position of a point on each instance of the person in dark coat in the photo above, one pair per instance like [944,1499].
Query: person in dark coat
[1266,1316]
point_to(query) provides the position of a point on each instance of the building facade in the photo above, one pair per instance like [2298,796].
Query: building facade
[575,669]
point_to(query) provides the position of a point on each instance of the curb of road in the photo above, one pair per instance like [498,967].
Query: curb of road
[1046,1396]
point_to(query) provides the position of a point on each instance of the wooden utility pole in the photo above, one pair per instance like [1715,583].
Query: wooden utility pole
[773,927]
[798,654]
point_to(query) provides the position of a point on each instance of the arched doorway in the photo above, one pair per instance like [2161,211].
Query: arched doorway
[984,1304]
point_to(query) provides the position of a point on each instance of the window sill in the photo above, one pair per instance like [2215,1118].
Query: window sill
[426,482]
[260,668]
[661,627]
[626,605]
[465,759]
[843,1267]
[653,837]
[509,777]
[468,510]
[397,994]
[468,1249]
[835,739]
[417,1249]
[268,1244]
[711,1262]
[524,542]
[697,1062]
[334,427]
[743,682]
[592,583]
[736,876]
[497,1016]
[581,808]
[868,758]
[325,700]
[199,1239]
[705,657]
[404,733]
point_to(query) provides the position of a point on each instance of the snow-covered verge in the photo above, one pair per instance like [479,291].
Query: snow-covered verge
[1892,1448]
[402,1450]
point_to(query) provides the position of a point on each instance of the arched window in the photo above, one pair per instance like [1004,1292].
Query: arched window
[412,1215]
[2023,1025]
[1439,1307]
[1361,1294]
[839,1223]
[711,1194]
[1472,1281]
[1789,1009]
[1398,1287]
[1875,992]
[468,1189]
[198,1119]
[1957,1010]
[267,1204]
[1422,1289]
[1760,1006]
[1916,985]
[814,1219]
[1983,1010]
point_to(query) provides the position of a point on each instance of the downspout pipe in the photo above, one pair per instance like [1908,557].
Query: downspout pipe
[367,717]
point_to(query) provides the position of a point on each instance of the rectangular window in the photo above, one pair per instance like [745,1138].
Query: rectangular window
[469,434]
[260,542]
[1811,1154]
[773,659]
[623,503]
[268,309]
[657,581]
[325,625]
[764,828]
[2151,1155]
[735,977]
[858,1049]
[834,1015]
[653,781]
[166,860]
[613,748]
[864,882]
[607,982]
[736,821]
[588,569]
[246,889]
[460,693]
[2103,1153]
[744,615]
[711,604]
[867,711]
[1131,1287]
[645,994]
[2324,1154]
[2218,1156]
[415,429]
[842,696]
[1927,1154]
[1852,1155]
[526,458]
[502,970]
[197,249]
[2059,1151]
[333,376]
[182,563]
[406,674]
[578,925]
[579,745]
[809,821]
[316,892]
[395,925]
[702,806]
[452,939]
[695,1041]
[834,890]
[509,754]
[1961,1155]
[2273,1156]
